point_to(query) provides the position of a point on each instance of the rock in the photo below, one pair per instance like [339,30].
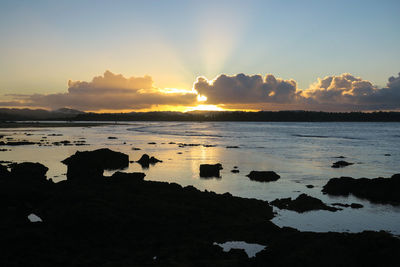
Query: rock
[86,165]
[135,148]
[341,157]
[151,143]
[302,203]
[381,190]
[145,161]
[4,172]
[341,164]
[210,170]
[232,147]
[309,186]
[235,171]
[29,171]
[172,143]
[17,143]
[387,155]
[356,206]
[209,145]
[112,137]
[263,176]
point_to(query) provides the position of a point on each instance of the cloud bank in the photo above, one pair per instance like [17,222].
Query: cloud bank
[344,92]
[111,91]
[108,92]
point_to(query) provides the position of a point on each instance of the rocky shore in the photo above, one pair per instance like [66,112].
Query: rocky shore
[124,220]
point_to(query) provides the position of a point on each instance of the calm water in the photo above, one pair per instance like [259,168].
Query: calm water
[301,153]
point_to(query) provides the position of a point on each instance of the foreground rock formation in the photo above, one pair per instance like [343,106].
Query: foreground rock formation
[381,190]
[124,220]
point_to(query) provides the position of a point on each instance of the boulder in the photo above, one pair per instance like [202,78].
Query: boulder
[146,160]
[341,164]
[91,164]
[302,204]
[263,176]
[210,170]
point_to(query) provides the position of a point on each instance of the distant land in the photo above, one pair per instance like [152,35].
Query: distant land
[66,114]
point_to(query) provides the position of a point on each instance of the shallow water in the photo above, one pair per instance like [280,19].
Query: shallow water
[301,153]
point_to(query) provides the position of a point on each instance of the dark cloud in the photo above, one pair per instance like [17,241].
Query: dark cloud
[245,89]
[344,92]
[110,91]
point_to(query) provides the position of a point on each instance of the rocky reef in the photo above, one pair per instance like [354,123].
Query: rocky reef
[380,190]
[124,220]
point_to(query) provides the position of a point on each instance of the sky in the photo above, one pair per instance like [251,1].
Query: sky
[185,55]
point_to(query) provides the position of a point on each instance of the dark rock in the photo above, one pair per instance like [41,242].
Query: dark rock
[112,137]
[235,167]
[91,164]
[302,203]
[184,145]
[179,153]
[263,176]
[151,143]
[29,171]
[135,148]
[124,220]
[235,171]
[17,143]
[341,164]
[209,145]
[387,155]
[232,147]
[3,149]
[341,157]
[172,143]
[381,190]
[4,172]
[309,186]
[146,160]
[210,170]
[356,206]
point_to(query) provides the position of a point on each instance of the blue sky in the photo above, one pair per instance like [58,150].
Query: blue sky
[46,43]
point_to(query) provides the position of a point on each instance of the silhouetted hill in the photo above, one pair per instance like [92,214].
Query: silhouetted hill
[268,116]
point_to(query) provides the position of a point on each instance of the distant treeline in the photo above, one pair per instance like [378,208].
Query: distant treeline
[284,116]
[268,116]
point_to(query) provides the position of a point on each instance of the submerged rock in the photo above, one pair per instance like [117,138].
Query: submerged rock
[263,176]
[384,190]
[235,171]
[341,164]
[302,203]
[210,170]
[91,164]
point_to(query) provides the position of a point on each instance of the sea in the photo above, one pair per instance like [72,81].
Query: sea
[300,152]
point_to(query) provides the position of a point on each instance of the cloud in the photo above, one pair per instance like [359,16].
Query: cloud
[343,92]
[247,89]
[110,91]
[347,92]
